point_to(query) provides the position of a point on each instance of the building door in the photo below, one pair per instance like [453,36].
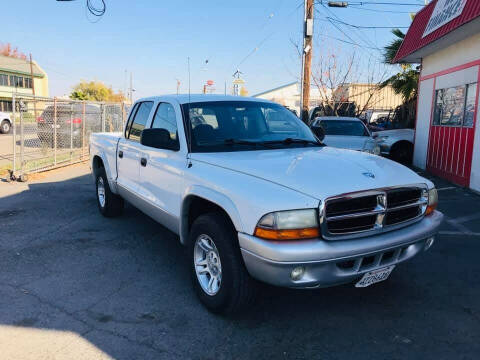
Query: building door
[452,131]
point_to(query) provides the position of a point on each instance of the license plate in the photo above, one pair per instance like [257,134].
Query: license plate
[375,276]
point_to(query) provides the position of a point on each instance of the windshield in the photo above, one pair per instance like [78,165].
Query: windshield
[244,125]
[344,127]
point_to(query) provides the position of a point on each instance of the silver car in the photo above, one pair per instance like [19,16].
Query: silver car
[346,133]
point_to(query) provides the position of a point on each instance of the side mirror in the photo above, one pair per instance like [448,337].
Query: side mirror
[319,132]
[159,139]
[375,135]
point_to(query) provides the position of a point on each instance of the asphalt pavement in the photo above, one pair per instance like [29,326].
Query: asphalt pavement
[75,285]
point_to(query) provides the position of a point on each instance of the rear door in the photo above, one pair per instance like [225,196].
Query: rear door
[128,155]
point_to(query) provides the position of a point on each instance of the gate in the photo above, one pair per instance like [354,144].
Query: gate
[450,146]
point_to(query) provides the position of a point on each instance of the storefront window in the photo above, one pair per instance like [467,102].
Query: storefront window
[455,106]
[470,105]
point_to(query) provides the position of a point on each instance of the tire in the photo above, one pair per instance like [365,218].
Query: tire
[402,153]
[236,288]
[111,205]
[5,127]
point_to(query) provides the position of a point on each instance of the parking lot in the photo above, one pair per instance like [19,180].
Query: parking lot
[76,285]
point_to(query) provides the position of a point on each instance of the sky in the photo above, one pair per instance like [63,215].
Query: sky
[152,39]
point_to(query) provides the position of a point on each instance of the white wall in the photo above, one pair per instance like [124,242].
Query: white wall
[457,54]
[424,111]
[475,175]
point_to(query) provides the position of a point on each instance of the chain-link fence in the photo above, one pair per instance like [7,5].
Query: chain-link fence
[51,132]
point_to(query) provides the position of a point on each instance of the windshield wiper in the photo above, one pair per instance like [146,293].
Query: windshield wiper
[289,141]
[239,142]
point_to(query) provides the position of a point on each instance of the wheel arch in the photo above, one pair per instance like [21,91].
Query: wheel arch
[401,143]
[199,200]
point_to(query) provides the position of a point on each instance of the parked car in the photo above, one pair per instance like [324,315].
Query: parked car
[397,144]
[5,122]
[346,133]
[254,195]
[68,123]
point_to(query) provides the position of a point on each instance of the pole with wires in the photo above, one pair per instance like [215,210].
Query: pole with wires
[306,60]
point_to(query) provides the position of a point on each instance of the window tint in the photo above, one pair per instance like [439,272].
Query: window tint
[165,119]
[343,127]
[277,122]
[140,120]
[130,119]
[243,125]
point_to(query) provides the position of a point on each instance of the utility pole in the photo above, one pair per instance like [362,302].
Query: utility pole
[306,59]
[131,88]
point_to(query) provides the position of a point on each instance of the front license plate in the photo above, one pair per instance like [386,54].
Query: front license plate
[375,276]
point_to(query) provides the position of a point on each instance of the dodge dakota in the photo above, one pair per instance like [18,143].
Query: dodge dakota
[254,195]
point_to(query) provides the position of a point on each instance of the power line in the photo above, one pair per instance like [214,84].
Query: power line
[367,27]
[361,3]
[348,42]
[381,11]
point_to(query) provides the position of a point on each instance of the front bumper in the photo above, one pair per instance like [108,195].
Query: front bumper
[329,263]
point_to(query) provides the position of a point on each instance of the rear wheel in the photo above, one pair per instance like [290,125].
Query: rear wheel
[109,204]
[219,276]
[5,127]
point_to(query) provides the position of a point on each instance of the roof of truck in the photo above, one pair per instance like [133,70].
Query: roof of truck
[192,98]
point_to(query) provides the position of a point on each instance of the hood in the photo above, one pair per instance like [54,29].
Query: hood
[317,172]
[406,134]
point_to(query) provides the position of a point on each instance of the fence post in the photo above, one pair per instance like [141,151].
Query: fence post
[103,117]
[22,142]
[14,169]
[55,130]
[71,132]
[123,115]
[83,129]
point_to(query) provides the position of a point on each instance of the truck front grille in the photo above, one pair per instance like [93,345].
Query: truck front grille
[359,214]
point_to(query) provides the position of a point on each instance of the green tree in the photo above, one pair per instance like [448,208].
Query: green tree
[406,81]
[95,91]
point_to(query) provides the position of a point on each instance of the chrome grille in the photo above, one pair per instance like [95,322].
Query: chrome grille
[361,213]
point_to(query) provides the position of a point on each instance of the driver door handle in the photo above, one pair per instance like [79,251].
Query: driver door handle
[120,154]
[143,161]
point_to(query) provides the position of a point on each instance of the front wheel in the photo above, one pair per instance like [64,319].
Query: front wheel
[5,127]
[109,204]
[219,276]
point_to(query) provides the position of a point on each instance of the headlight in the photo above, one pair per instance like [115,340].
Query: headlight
[432,201]
[288,225]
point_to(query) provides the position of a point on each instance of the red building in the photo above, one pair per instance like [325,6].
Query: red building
[445,39]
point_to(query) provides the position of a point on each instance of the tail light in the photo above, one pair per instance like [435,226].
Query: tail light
[40,119]
[74,121]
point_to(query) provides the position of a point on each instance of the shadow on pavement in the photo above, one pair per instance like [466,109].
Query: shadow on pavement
[123,286]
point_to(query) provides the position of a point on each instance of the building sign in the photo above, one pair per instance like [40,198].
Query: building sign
[444,12]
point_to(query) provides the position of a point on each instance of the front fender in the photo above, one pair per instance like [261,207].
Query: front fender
[213,196]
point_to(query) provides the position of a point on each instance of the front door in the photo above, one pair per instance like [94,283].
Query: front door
[161,173]
[450,146]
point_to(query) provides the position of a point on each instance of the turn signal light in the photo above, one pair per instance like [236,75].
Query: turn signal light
[286,234]
[432,201]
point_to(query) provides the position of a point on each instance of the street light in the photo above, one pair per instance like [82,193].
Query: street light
[338,4]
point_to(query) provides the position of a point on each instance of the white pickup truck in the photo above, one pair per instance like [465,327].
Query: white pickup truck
[254,195]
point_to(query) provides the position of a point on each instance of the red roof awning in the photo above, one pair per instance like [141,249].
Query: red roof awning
[414,40]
